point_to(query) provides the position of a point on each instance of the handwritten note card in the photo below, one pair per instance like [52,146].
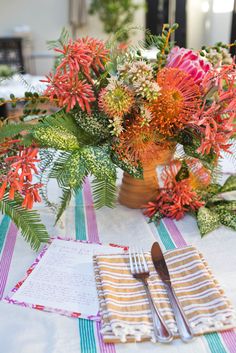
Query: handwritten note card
[63,279]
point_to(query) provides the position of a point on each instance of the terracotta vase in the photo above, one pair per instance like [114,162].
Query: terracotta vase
[134,193]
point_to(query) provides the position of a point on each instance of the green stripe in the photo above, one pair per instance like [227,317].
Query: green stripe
[80,227]
[213,339]
[164,236]
[214,343]
[87,339]
[3,230]
[86,329]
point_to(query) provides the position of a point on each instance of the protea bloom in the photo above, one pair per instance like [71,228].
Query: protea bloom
[188,61]
[116,100]
[177,102]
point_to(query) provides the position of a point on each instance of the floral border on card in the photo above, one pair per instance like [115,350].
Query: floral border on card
[72,314]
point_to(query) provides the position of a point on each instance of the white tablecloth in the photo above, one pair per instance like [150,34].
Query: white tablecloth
[25,330]
[18,84]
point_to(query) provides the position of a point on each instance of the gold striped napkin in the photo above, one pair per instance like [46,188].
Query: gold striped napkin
[124,308]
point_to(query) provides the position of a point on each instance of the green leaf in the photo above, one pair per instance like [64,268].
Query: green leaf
[230,184]
[55,138]
[227,218]
[99,163]
[11,130]
[207,220]
[69,169]
[27,221]
[65,200]
[104,193]
[136,172]
[95,124]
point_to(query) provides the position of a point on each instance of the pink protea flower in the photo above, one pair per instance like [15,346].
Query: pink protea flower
[190,62]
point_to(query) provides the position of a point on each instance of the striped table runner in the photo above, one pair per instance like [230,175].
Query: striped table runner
[87,333]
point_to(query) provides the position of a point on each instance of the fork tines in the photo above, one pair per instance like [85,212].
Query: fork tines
[138,263]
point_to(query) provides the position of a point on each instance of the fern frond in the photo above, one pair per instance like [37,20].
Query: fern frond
[61,41]
[27,221]
[104,193]
[65,200]
[46,164]
[11,130]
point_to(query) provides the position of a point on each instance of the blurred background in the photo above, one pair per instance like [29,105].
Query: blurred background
[26,25]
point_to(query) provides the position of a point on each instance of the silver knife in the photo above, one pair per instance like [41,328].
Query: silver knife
[159,262]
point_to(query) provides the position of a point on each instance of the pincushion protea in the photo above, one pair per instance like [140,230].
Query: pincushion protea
[177,102]
[116,100]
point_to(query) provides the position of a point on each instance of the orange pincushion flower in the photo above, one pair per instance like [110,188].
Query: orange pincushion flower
[177,102]
[139,142]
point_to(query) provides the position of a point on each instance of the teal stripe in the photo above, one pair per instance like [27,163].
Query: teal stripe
[87,339]
[214,343]
[164,236]
[80,227]
[86,329]
[3,230]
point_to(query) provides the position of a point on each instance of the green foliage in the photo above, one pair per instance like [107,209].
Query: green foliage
[230,184]
[134,171]
[61,41]
[207,220]
[95,125]
[55,138]
[98,162]
[104,193]
[115,15]
[227,218]
[11,130]
[27,221]
[65,200]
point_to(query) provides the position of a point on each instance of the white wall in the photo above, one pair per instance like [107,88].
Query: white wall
[46,19]
[208,22]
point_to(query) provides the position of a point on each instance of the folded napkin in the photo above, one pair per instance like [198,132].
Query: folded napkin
[124,308]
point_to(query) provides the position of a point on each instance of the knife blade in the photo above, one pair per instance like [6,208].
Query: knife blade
[160,265]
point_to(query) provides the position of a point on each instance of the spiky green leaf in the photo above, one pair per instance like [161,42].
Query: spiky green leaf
[104,193]
[27,221]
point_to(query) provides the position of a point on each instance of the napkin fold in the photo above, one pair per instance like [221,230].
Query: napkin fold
[124,307]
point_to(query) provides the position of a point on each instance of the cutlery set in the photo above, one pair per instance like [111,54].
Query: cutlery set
[139,270]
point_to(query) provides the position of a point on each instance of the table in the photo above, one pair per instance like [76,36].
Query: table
[24,330]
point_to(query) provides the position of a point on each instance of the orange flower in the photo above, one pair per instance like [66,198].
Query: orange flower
[139,142]
[177,102]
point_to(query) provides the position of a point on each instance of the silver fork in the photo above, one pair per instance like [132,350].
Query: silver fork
[139,270]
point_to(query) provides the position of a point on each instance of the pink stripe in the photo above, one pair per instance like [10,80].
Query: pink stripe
[174,232]
[92,229]
[104,347]
[229,338]
[7,256]
[92,232]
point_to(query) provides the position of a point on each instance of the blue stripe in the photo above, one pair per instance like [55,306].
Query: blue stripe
[86,327]
[80,226]
[164,236]
[214,343]
[3,230]
[87,338]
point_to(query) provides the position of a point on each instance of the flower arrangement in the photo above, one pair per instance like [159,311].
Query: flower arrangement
[117,109]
